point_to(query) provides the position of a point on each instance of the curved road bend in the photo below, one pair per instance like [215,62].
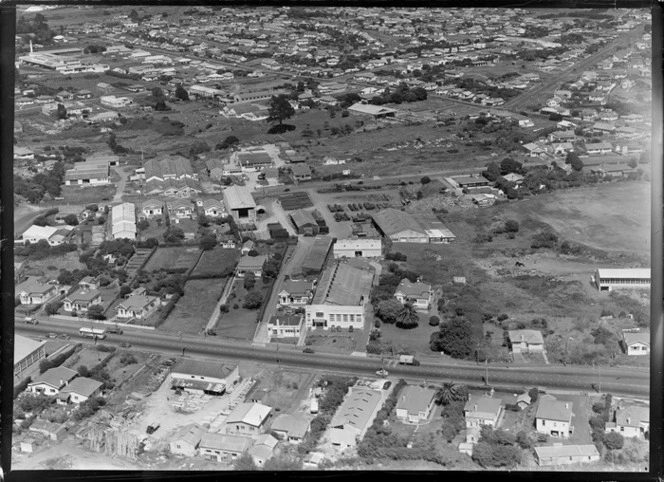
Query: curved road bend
[619,381]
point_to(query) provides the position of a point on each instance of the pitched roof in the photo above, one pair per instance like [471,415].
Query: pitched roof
[293,425]
[415,399]
[190,434]
[212,203]
[529,336]
[252,262]
[370,109]
[42,232]
[82,386]
[123,212]
[83,295]
[56,377]
[231,443]
[566,451]
[638,337]
[238,197]
[151,203]
[414,290]
[343,284]
[297,287]
[285,319]
[643,273]
[392,221]
[136,302]
[249,413]
[356,408]
[483,404]
[302,217]
[203,368]
[632,416]
[33,286]
[551,409]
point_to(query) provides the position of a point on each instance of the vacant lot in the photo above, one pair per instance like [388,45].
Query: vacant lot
[218,262]
[178,258]
[193,310]
[281,389]
[52,266]
[240,322]
[88,194]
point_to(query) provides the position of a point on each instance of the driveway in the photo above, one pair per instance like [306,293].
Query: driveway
[123,172]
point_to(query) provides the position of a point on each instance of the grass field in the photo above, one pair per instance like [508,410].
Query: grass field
[173,258]
[218,261]
[409,341]
[240,322]
[193,310]
[68,261]
[88,194]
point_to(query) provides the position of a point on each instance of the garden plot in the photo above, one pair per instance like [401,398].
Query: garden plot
[179,258]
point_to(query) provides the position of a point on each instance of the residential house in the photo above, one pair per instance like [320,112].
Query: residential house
[247,246]
[630,421]
[535,150]
[253,264]
[223,448]
[52,380]
[213,208]
[290,428]
[137,306]
[79,390]
[554,417]
[301,172]
[415,403]
[151,208]
[181,208]
[89,283]
[226,241]
[284,325]
[419,294]
[34,292]
[636,343]
[599,148]
[186,440]
[566,454]
[247,419]
[296,292]
[526,341]
[484,410]
[81,300]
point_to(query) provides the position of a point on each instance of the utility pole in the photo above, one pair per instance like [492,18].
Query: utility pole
[486,365]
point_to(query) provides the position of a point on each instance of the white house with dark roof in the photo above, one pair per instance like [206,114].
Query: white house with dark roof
[484,410]
[213,207]
[250,264]
[419,294]
[203,376]
[79,390]
[151,208]
[636,343]
[526,341]
[33,292]
[247,419]
[631,421]
[415,403]
[554,417]
[263,449]
[81,300]
[137,306]
[52,380]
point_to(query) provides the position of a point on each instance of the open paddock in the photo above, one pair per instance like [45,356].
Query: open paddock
[175,258]
[87,194]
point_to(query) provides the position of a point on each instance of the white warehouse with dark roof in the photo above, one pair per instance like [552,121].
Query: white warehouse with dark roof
[610,279]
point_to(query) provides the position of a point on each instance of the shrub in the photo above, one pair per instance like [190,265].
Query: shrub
[434,320]
[235,306]
[502,317]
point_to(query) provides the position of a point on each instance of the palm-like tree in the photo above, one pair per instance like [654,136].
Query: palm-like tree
[450,392]
[407,317]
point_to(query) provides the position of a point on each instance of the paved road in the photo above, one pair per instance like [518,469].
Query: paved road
[619,381]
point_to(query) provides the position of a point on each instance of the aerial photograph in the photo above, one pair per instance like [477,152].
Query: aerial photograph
[331,238]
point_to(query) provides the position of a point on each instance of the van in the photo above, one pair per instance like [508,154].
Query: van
[117,331]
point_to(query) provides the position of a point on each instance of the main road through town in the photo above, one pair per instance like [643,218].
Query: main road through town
[618,381]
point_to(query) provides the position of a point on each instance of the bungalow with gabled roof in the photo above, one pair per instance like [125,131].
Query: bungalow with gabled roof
[52,380]
[419,294]
[630,421]
[137,306]
[81,300]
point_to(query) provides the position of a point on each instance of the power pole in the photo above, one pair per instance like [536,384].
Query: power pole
[486,365]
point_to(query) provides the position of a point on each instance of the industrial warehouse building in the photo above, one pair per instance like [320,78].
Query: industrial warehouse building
[304,222]
[354,417]
[202,376]
[27,353]
[123,221]
[93,172]
[239,203]
[314,261]
[358,247]
[340,298]
[610,279]
[375,111]
[399,226]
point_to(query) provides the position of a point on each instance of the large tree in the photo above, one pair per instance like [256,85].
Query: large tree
[181,93]
[388,309]
[280,109]
[408,317]
[454,338]
[451,392]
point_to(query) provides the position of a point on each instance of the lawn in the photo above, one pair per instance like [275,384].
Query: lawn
[193,310]
[327,341]
[279,387]
[415,341]
[87,194]
[177,258]
[240,322]
[52,266]
[217,262]
[154,230]
[89,357]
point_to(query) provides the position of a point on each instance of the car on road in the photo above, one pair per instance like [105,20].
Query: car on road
[308,350]
[382,372]
[30,320]
[124,344]
[117,331]
[52,335]
[64,336]
[211,332]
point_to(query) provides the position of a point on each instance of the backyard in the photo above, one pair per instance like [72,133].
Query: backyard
[193,310]
[217,262]
[179,258]
[240,322]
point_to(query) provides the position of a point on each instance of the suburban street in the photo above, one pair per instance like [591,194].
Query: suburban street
[618,381]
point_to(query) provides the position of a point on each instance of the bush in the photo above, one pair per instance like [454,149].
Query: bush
[127,359]
[434,320]
[425,180]
[502,317]
[21,386]
[253,300]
